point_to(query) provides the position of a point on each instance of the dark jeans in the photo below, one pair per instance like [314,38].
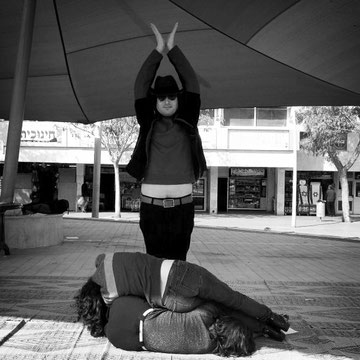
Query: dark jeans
[167,231]
[189,285]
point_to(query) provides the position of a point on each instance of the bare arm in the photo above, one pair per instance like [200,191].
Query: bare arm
[160,44]
[171,39]
[182,66]
[149,68]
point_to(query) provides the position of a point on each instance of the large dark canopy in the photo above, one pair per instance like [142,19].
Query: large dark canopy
[86,53]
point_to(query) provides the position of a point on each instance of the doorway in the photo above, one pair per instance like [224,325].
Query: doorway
[222,194]
[356,197]
[107,191]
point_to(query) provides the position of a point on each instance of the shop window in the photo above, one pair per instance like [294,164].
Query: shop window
[311,186]
[246,188]
[350,186]
[25,168]
[340,205]
[130,196]
[206,117]
[288,193]
[255,117]
[357,193]
[271,116]
[199,194]
[244,193]
[302,139]
[239,117]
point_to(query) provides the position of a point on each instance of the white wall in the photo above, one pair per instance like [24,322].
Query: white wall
[67,186]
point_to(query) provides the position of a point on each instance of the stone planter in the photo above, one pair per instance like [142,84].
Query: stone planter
[31,231]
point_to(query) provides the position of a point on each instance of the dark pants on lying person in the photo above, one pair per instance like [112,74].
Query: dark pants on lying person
[167,231]
[189,285]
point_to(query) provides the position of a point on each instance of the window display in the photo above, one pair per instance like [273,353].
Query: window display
[199,194]
[246,188]
[244,193]
[310,189]
[288,193]
[130,196]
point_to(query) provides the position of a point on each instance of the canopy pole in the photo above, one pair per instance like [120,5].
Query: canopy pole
[18,101]
[96,173]
[294,179]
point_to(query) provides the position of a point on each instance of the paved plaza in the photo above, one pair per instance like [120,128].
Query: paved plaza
[315,278]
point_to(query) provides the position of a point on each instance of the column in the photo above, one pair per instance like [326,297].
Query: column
[213,200]
[280,188]
[17,106]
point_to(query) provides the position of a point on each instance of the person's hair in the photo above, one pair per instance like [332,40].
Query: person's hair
[91,308]
[232,337]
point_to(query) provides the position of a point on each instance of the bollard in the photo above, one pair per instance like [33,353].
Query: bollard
[320,209]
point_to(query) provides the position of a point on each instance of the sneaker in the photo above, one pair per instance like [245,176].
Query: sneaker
[272,333]
[279,321]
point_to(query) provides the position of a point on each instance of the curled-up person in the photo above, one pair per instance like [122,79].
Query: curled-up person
[174,285]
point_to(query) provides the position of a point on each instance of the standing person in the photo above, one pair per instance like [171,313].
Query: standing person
[85,193]
[330,200]
[168,156]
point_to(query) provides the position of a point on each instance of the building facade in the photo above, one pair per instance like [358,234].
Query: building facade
[249,152]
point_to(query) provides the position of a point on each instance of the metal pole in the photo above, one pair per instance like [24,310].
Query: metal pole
[294,187]
[18,101]
[96,173]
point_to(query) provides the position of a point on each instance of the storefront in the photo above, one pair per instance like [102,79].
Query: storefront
[130,190]
[247,189]
[311,187]
[354,193]
[130,194]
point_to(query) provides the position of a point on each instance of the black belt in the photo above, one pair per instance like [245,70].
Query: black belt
[167,203]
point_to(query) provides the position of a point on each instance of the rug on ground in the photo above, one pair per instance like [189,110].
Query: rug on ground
[37,321]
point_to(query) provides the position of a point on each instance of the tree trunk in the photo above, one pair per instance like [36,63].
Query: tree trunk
[345,196]
[117,191]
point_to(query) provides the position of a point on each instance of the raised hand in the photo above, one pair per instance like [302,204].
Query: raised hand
[160,46]
[170,40]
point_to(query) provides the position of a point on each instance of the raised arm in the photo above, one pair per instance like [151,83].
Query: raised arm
[182,66]
[150,66]
[160,44]
[171,39]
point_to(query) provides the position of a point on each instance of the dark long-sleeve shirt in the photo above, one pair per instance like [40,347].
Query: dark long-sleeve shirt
[121,274]
[187,115]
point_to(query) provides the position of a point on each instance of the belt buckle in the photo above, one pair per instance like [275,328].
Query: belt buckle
[168,203]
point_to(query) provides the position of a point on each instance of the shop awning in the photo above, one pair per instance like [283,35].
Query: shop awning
[86,53]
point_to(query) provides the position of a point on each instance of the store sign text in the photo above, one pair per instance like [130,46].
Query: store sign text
[248,172]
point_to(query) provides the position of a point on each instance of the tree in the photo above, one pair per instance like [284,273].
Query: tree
[327,128]
[117,136]
[206,117]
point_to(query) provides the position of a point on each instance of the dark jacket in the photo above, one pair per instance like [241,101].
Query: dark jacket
[187,114]
[123,273]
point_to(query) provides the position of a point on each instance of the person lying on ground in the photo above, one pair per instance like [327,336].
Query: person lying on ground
[176,285]
[132,325]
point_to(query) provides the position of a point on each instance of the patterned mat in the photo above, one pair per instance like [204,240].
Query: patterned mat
[37,321]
